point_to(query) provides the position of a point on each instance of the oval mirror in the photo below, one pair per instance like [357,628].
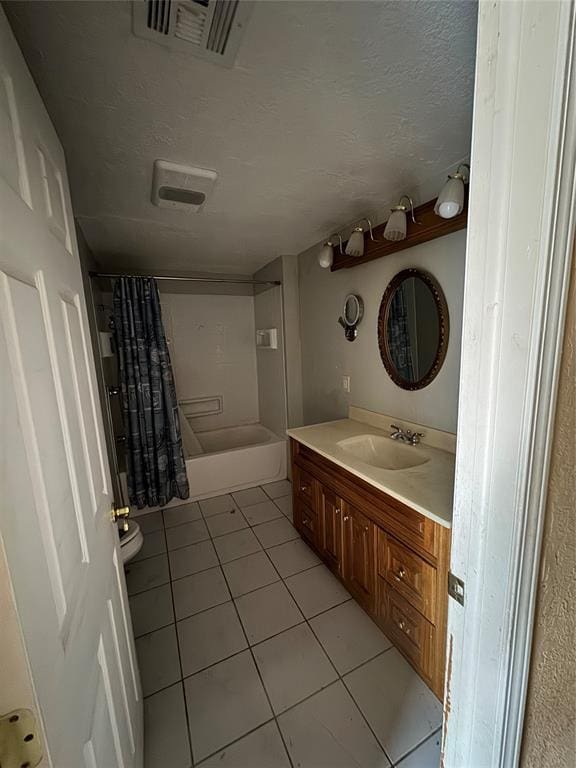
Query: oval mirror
[413,329]
[353,310]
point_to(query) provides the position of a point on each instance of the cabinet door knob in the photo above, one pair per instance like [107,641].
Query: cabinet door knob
[303,488]
[400,575]
[338,510]
[346,518]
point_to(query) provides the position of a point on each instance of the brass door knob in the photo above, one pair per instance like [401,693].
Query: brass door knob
[119,513]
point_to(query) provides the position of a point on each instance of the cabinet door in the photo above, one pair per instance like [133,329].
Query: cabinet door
[359,566]
[331,528]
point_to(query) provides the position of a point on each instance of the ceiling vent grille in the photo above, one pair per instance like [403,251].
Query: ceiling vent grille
[210,29]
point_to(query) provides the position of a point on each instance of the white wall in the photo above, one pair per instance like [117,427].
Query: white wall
[212,347]
[327,356]
[270,362]
[280,371]
[292,341]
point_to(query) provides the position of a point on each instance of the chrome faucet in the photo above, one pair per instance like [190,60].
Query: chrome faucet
[405,435]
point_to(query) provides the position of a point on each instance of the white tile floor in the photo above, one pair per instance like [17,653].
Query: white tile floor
[253,655]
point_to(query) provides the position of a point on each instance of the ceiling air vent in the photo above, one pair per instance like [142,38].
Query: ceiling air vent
[210,29]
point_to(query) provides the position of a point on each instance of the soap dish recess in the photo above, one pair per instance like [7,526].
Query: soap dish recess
[267,338]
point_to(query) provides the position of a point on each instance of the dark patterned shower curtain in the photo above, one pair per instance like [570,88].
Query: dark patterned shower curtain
[156,470]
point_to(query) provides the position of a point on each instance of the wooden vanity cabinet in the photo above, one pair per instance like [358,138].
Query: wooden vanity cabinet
[392,559]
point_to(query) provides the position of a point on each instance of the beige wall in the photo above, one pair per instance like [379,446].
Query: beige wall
[550,724]
[213,352]
[327,356]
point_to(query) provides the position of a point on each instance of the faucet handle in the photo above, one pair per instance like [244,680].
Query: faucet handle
[415,437]
[396,427]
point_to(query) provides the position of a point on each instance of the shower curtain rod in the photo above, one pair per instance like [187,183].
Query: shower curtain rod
[192,279]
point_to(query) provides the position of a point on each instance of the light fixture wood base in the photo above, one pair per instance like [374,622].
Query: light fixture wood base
[429,227]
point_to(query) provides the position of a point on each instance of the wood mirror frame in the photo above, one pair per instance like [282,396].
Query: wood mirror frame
[443,328]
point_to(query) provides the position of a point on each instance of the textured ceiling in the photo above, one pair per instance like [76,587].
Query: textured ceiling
[332,110]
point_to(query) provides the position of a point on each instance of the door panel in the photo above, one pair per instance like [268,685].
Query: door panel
[61,547]
[359,569]
[331,527]
[64,542]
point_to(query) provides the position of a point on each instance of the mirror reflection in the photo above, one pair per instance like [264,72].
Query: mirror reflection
[413,327]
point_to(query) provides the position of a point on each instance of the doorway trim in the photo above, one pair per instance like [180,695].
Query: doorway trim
[519,251]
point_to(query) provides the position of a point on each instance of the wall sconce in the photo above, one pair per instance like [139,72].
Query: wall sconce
[355,244]
[326,255]
[396,224]
[450,201]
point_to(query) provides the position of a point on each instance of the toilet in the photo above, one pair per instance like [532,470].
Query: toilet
[130,541]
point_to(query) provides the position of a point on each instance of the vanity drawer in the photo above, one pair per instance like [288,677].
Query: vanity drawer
[412,634]
[408,574]
[305,487]
[306,522]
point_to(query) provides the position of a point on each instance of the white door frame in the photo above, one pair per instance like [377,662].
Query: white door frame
[519,248]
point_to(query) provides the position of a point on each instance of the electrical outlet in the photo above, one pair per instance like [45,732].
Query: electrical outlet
[346,383]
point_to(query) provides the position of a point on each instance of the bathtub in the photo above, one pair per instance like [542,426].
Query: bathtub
[230,459]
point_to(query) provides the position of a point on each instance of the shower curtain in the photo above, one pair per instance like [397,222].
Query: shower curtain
[399,335]
[155,466]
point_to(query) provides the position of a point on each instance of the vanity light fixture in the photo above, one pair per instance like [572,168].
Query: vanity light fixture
[326,255]
[355,244]
[396,225]
[450,201]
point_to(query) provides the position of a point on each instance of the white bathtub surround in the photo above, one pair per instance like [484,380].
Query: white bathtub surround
[427,488]
[213,352]
[234,458]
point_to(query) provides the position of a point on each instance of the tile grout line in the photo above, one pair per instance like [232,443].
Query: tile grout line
[339,677]
[259,676]
[413,749]
[231,743]
[216,605]
[179,654]
[306,621]
[260,642]
[219,563]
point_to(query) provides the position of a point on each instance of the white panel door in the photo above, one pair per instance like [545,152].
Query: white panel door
[55,500]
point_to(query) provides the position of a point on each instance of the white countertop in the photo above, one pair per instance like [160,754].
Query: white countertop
[427,488]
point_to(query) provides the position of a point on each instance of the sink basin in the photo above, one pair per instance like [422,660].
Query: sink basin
[382,452]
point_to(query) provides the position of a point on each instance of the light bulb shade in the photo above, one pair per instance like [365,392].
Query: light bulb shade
[355,245]
[326,256]
[396,226]
[451,198]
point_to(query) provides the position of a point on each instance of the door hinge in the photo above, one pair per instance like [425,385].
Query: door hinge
[19,740]
[456,588]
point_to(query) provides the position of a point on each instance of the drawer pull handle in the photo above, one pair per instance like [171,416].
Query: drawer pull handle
[403,627]
[400,575]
